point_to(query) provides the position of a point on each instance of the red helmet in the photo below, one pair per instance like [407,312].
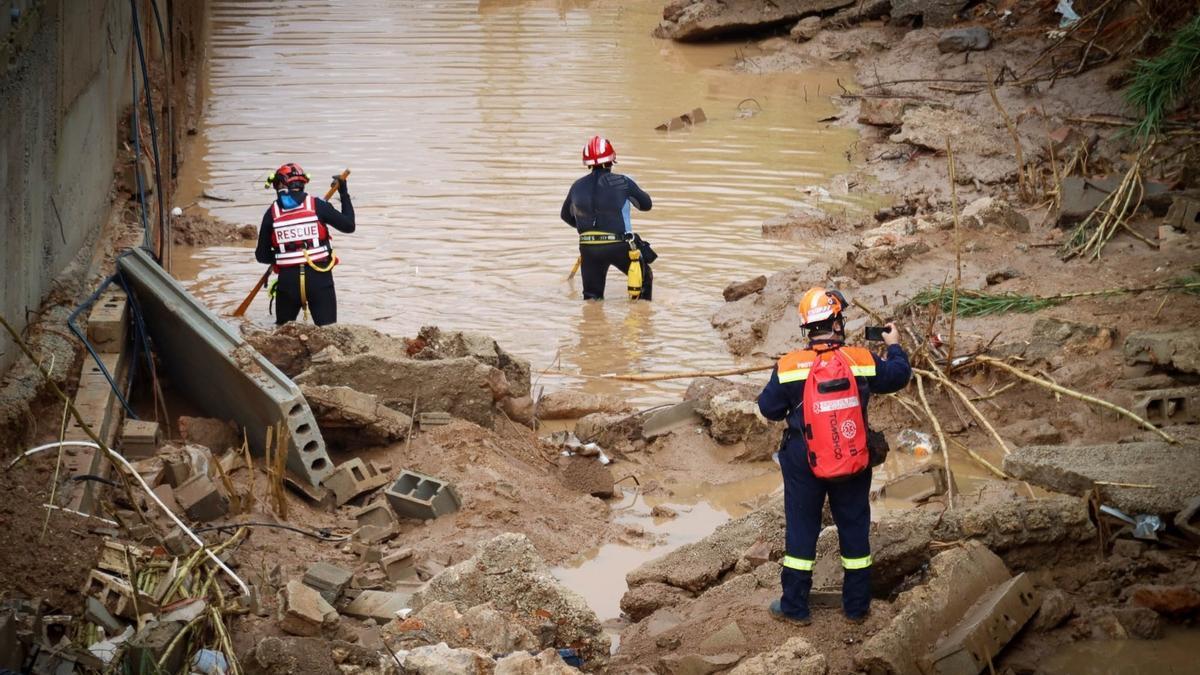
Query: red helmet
[599,151]
[288,174]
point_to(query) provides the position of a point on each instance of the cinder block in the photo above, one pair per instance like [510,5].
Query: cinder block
[415,495]
[328,580]
[373,534]
[117,596]
[434,419]
[201,499]
[320,496]
[353,478]
[176,471]
[986,629]
[1184,214]
[367,553]
[115,556]
[156,644]
[376,513]
[379,605]
[1179,405]
[140,439]
[400,565]
[107,322]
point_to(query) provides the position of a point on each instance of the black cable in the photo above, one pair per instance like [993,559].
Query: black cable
[91,350]
[135,127]
[168,73]
[137,34]
[93,477]
[322,534]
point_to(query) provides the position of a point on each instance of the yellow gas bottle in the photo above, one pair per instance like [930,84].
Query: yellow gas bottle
[635,273]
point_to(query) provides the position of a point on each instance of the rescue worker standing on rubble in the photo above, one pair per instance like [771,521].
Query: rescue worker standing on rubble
[823,393]
[294,237]
[597,206]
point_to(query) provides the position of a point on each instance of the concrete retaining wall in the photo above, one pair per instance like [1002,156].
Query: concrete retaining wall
[65,82]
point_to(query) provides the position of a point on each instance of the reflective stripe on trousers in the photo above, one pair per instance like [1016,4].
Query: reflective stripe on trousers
[856,563]
[798,563]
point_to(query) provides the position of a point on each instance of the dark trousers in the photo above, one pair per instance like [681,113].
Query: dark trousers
[803,500]
[318,289]
[597,258]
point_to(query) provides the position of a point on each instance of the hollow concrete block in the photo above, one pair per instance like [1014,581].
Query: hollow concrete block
[415,495]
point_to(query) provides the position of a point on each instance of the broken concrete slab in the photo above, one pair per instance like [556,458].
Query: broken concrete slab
[795,657]
[698,664]
[97,613]
[665,421]
[705,19]
[376,513]
[1184,215]
[222,374]
[416,495]
[1173,470]
[381,606]
[986,629]
[957,579]
[302,610]
[352,478]
[992,212]
[1080,196]
[733,418]
[350,419]
[400,565]
[1178,350]
[328,580]
[202,499]
[1164,407]
[568,404]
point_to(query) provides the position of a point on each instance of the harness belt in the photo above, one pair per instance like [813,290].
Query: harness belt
[599,237]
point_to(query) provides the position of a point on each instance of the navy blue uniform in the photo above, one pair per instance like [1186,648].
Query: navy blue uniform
[804,494]
[597,206]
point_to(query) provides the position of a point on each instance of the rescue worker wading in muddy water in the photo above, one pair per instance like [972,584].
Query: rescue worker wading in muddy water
[294,237]
[823,393]
[597,206]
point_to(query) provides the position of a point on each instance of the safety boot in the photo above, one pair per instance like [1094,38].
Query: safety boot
[777,612]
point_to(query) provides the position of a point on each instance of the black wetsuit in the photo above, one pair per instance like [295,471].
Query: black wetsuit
[318,286]
[599,202]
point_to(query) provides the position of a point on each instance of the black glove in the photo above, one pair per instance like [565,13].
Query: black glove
[340,183]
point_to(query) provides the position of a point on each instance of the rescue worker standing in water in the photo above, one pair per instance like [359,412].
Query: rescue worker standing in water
[597,206]
[294,237]
[823,393]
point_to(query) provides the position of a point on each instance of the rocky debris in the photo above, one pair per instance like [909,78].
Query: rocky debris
[993,212]
[1174,602]
[1054,340]
[1173,470]
[863,10]
[982,150]
[752,323]
[956,579]
[1124,623]
[567,404]
[607,429]
[805,223]
[883,258]
[960,40]
[805,29]
[548,662]
[931,12]
[302,610]
[1177,351]
[1002,275]
[689,20]
[313,656]
[441,659]
[295,346]
[684,120]
[698,664]
[884,112]
[216,435]
[439,344]
[586,475]
[740,289]
[1056,608]
[480,627]
[733,418]
[1031,432]
[796,657]
[350,419]
[507,572]
[646,598]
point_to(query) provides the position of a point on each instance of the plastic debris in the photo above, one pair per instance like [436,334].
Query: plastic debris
[1145,525]
[1069,16]
[209,662]
[916,443]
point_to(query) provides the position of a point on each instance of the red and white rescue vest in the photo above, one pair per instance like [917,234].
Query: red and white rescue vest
[834,427]
[298,235]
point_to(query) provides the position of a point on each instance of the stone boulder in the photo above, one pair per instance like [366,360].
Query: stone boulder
[570,404]
[960,40]
[752,323]
[508,573]
[441,659]
[733,418]
[705,19]
[1178,351]
[992,212]
[796,657]
[607,429]
[644,599]
[740,289]
[805,29]
[548,662]
[883,259]
[481,627]
[438,344]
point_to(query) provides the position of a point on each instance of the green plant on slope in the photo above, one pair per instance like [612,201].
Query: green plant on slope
[1160,82]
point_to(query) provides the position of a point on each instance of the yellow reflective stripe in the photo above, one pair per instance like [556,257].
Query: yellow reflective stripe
[798,563]
[863,371]
[856,563]
[793,375]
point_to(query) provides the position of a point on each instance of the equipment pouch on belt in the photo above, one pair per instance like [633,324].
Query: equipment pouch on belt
[648,254]
[877,447]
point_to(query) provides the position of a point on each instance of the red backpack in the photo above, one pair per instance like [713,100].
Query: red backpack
[833,419]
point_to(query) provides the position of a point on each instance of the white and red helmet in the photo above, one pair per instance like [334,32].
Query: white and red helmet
[598,151]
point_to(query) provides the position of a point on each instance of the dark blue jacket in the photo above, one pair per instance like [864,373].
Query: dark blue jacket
[783,400]
[600,201]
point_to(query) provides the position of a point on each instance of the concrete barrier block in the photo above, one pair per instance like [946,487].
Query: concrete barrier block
[353,478]
[972,644]
[201,499]
[1161,407]
[328,580]
[415,495]
[221,373]
[140,439]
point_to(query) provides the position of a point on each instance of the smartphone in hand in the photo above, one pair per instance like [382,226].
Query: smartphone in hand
[874,333]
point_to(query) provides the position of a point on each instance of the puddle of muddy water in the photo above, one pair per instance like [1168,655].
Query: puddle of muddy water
[1177,653]
[462,121]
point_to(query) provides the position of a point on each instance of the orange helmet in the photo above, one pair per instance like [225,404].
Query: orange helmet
[288,175]
[818,305]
